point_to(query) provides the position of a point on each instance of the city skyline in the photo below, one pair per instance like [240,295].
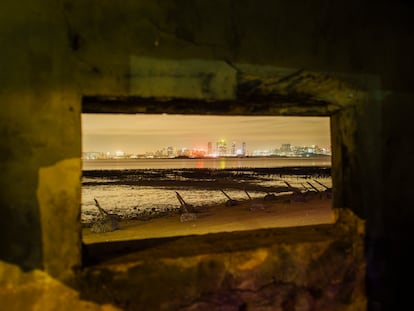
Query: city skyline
[142,133]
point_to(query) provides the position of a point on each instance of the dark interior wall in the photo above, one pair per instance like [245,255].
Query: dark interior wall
[39,122]
[353,36]
[391,227]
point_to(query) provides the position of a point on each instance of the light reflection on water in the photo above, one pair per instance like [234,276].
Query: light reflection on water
[215,163]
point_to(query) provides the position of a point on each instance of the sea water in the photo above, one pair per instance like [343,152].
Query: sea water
[211,163]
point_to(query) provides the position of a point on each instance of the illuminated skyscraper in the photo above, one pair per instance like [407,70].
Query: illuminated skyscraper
[244,151]
[170,151]
[286,148]
[233,148]
[221,147]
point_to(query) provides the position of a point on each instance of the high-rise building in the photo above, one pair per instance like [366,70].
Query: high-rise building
[233,148]
[170,151]
[244,150]
[209,147]
[221,147]
[286,148]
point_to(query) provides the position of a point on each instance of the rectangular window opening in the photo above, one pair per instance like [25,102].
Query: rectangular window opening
[160,175]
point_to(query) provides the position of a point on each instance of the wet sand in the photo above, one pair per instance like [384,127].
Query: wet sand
[246,215]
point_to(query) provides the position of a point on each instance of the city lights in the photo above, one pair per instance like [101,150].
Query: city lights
[170,136]
[220,149]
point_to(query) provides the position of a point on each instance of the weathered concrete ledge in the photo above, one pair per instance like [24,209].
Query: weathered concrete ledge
[303,268]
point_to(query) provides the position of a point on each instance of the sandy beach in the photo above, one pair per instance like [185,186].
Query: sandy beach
[286,211]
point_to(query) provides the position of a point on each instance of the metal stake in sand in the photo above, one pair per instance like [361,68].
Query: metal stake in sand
[107,223]
[230,201]
[314,188]
[298,196]
[185,209]
[326,187]
[327,192]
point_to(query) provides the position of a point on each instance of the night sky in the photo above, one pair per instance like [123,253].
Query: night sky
[140,133]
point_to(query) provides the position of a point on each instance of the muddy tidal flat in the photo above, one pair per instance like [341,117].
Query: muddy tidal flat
[147,204]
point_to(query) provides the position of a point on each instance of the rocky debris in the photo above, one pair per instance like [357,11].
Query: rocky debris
[184,207]
[138,176]
[254,206]
[270,197]
[186,210]
[230,201]
[298,196]
[188,217]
